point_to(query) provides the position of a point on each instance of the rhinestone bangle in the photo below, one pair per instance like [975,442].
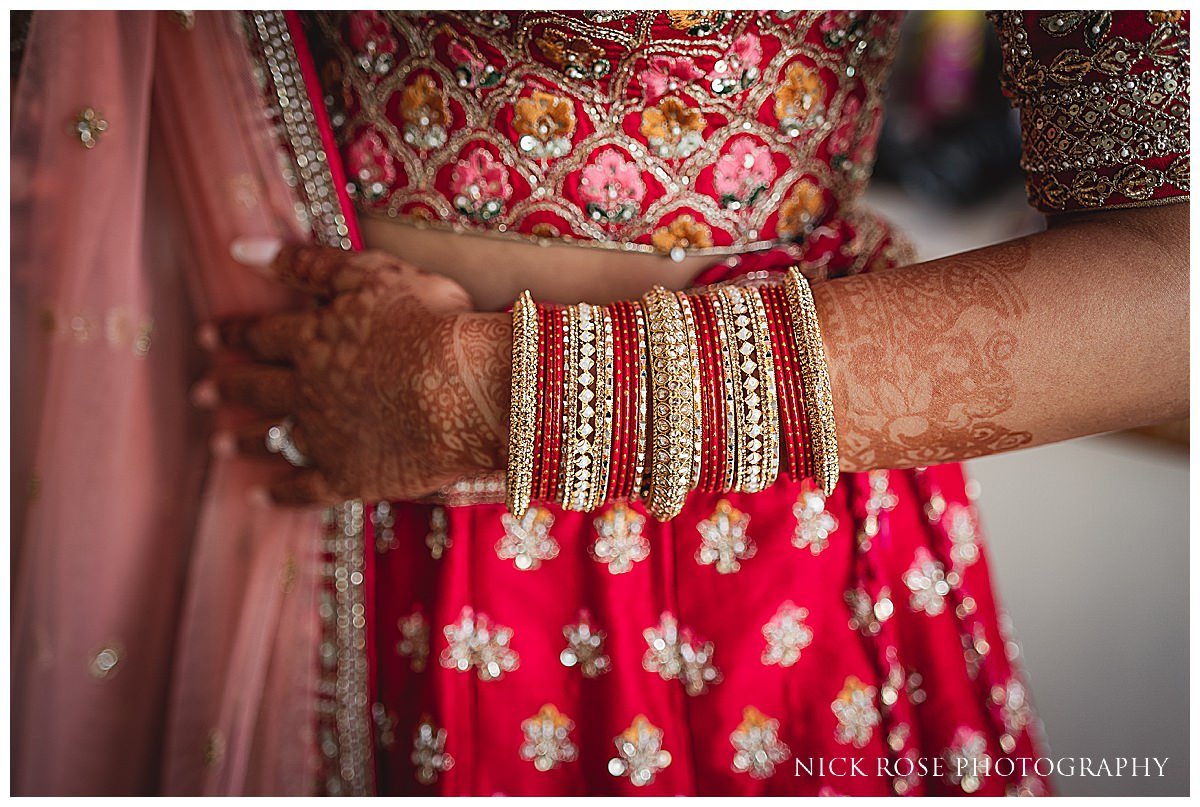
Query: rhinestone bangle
[814,373]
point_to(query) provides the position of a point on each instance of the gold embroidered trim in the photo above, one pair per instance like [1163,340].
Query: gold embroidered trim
[1088,120]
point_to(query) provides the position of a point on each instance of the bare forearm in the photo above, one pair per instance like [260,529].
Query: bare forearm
[1077,330]
[1074,331]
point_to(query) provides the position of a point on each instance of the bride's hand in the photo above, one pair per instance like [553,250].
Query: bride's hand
[392,387]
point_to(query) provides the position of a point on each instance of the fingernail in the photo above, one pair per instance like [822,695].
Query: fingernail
[205,394]
[256,251]
[208,337]
[223,445]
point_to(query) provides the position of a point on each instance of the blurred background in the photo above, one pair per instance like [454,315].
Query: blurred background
[1088,539]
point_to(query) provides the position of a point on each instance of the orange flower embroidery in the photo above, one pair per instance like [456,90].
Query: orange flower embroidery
[682,234]
[545,123]
[575,56]
[698,23]
[672,128]
[802,209]
[799,99]
[423,108]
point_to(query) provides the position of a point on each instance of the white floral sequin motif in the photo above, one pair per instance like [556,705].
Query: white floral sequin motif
[429,755]
[855,710]
[474,642]
[547,739]
[926,579]
[865,616]
[961,528]
[814,524]
[414,640]
[724,542]
[675,652]
[756,743]
[1015,710]
[967,760]
[640,753]
[438,538]
[527,540]
[619,539]
[585,647]
[786,635]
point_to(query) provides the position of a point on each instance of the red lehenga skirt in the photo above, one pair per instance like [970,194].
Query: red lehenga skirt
[779,643]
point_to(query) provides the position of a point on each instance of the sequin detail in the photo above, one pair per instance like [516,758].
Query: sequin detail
[786,635]
[756,744]
[527,540]
[640,753]
[724,542]
[675,652]
[474,642]
[547,739]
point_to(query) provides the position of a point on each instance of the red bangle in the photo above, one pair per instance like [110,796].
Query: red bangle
[620,401]
[713,455]
[795,430]
[553,396]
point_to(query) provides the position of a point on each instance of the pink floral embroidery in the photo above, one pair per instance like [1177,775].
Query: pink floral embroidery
[371,163]
[480,185]
[743,172]
[738,68]
[843,141]
[667,74]
[372,42]
[612,187]
[471,70]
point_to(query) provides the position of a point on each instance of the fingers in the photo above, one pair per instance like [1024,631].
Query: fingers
[303,487]
[319,270]
[278,337]
[271,390]
[250,440]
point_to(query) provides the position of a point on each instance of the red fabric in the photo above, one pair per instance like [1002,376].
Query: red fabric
[957,687]
[483,719]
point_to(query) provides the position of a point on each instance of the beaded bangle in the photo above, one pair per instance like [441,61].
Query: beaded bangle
[814,374]
[672,420]
[604,409]
[641,459]
[767,385]
[523,417]
[693,349]
[551,415]
[584,419]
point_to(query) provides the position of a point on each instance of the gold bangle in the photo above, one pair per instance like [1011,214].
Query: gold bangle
[814,376]
[766,374]
[693,349]
[522,419]
[672,420]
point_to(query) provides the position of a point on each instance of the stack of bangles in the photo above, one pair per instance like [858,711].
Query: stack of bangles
[718,389]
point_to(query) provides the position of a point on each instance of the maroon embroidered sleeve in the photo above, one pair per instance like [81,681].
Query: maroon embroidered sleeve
[1104,98]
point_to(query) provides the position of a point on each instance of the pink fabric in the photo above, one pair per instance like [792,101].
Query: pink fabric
[136,539]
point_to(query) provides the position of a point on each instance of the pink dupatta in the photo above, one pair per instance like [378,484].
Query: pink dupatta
[166,621]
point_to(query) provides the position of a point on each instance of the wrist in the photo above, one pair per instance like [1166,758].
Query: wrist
[480,346]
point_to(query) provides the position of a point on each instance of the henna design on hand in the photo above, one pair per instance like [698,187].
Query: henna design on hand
[913,381]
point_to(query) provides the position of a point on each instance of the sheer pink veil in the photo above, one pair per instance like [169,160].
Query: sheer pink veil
[165,619]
